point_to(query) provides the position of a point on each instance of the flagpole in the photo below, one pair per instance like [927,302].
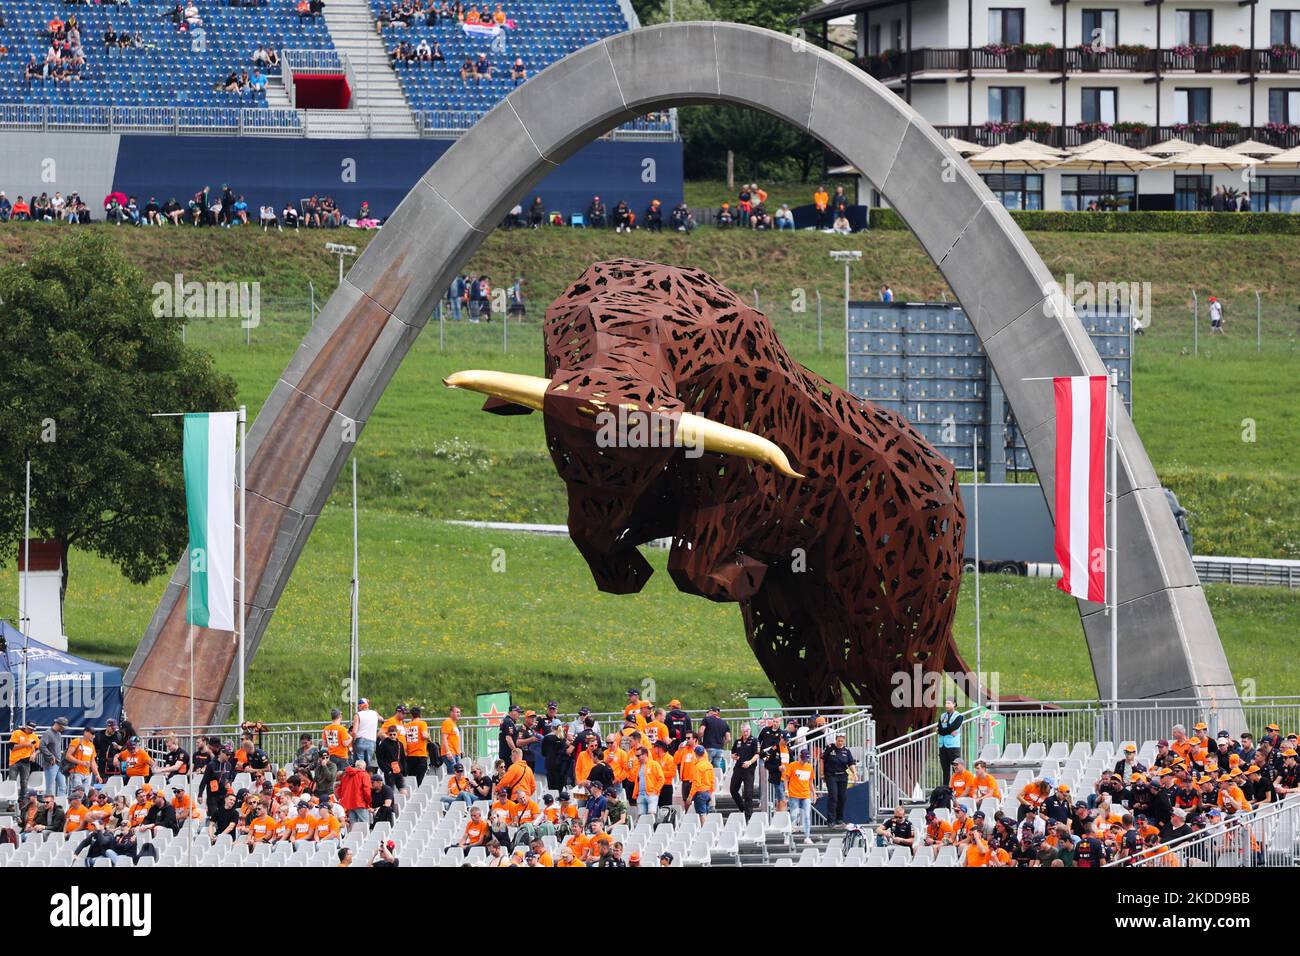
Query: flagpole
[975,482]
[1113,396]
[243,419]
[355,663]
[26,616]
[189,620]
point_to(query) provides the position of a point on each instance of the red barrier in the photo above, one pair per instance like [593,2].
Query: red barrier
[322,91]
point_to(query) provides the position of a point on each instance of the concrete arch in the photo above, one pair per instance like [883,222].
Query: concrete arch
[1169,645]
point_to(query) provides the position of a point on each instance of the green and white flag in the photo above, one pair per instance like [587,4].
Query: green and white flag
[210,501]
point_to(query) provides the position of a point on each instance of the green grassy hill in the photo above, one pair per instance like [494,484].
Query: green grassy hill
[439,624]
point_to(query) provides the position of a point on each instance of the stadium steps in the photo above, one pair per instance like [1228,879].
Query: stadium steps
[378,95]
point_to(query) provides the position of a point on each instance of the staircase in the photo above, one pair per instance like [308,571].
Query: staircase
[378,102]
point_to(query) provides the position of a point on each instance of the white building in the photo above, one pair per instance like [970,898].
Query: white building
[1067,71]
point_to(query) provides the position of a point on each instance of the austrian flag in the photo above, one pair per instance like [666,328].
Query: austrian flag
[1081,485]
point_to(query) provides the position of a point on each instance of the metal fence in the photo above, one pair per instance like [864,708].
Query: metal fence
[450,124]
[909,765]
[1264,837]
[178,120]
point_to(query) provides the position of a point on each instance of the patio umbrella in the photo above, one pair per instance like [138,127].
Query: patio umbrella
[1102,154]
[1253,147]
[1025,156]
[1208,159]
[963,148]
[1289,159]
[1170,147]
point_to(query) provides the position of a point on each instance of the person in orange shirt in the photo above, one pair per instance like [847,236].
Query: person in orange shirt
[450,736]
[985,784]
[633,702]
[616,759]
[140,808]
[81,759]
[585,760]
[337,740]
[647,782]
[821,202]
[1032,795]
[398,720]
[519,779]
[22,752]
[656,728]
[134,761]
[962,782]
[685,758]
[476,830]
[302,827]
[1231,797]
[327,825]
[182,804]
[797,776]
[261,829]
[663,756]
[938,832]
[977,848]
[568,858]
[74,818]
[416,734]
[702,783]
[538,849]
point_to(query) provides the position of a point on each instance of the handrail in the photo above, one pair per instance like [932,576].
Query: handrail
[1261,819]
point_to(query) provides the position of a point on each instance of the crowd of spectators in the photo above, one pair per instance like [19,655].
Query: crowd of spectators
[1195,784]
[570,778]
[399,16]
[224,208]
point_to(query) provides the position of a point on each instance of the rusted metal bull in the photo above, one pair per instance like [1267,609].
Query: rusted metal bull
[672,410]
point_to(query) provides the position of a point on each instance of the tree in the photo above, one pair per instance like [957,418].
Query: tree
[83,363]
[765,147]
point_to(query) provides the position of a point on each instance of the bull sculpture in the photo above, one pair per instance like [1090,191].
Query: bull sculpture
[673,411]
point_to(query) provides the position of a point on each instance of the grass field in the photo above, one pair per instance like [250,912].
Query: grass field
[439,625]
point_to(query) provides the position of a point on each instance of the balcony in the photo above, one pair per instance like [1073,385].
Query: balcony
[1136,136]
[1033,58]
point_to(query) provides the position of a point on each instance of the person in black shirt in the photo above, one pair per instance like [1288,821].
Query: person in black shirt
[109,742]
[837,765]
[383,855]
[557,756]
[601,773]
[1176,827]
[745,752]
[217,777]
[383,798]
[770,739]
[390,754]
[225,821]
[507,732]
[161,814]
[679,725]
[657,753]
[176,760]
[715,735]
[1089,852]
[897,830]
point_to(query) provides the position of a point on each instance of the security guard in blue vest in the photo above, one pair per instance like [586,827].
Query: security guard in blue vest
[949,737]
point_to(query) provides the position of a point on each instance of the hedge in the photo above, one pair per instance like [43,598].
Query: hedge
[1237,223]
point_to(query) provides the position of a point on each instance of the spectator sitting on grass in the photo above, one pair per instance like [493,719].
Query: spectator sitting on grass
[172,211]
[596,213]
[152,213]
[290,216]
[654,217]
[725,219]
[681,218]
[6,207]
[841,226]
[268,219]
[623,220]
[784,218]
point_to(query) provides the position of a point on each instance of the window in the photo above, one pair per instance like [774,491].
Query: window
[1281,194]
[1194,27]
[1016,190]
[1097,104]
[1006,104]
[1108,192]
[896,33]
[1100,29]
[1284,107]
[1192,192]
[1192,105]
[1006,25]
[876,31]
[1284,27]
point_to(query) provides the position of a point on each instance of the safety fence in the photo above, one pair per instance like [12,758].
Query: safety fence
[1264,837]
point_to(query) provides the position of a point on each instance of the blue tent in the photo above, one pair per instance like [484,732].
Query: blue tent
[58,685]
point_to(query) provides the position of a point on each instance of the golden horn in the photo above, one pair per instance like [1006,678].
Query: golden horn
[530,391]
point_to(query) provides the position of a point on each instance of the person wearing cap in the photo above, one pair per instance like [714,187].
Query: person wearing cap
[962,781]
[633,702]
[134,761]
[568,858]
[385,856]
[337,740]
[715,737]
[798,779]
[1128,764]
[578,727]
[391,757]
[548,720]
[508,732]
[108,742]
[80,758]
[365,732]
[666,859]
[23,744]
[398,719]
[679,725]
[49,757]
[1272,736]
[1287,780]
[703,783]
[838,771]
